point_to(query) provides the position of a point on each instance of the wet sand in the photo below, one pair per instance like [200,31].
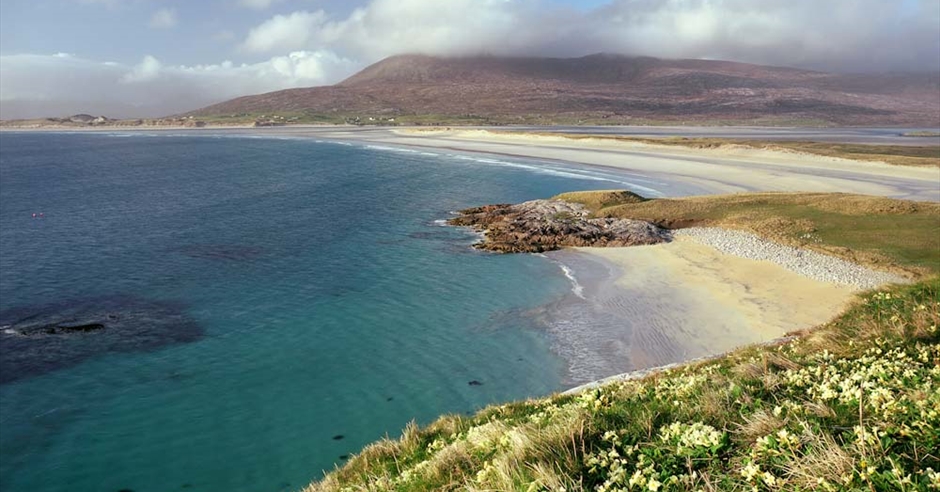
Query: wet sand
[648,306]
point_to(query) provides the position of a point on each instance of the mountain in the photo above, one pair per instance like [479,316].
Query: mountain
[615,88]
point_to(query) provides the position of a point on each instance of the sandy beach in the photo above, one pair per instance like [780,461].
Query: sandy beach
[674,171]
[678,171]
[649,306]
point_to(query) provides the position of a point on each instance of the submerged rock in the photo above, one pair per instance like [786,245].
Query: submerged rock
[229,252]
[546,225]
[42,338]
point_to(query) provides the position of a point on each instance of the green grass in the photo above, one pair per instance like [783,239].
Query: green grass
[850,405]
[898,235]
[854,405]
[921,133]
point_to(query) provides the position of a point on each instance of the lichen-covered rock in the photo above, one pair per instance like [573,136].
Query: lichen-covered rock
[545,225]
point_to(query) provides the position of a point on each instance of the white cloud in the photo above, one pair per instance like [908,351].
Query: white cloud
[147,70]
[284,32]
[863,35]
[845,35]
[164,19]
[257,4]
[45,85]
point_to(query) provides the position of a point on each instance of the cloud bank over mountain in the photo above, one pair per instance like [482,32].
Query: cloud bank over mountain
[306,47]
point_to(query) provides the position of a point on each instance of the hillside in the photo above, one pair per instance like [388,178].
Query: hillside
[599,89]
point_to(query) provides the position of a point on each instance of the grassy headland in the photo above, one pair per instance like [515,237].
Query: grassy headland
[897,235]
[850,405]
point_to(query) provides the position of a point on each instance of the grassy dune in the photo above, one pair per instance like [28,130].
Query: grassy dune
[850,405]
[926,155]
[897,235]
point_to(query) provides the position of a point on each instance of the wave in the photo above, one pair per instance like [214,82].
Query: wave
[584,174]
[393,149]
[576,288]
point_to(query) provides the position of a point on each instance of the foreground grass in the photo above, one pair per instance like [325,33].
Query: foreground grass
[926,155]
[851,405]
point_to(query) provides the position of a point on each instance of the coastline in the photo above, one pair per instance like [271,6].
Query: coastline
[747,311]
[673,303]
[702,171]
[680,171]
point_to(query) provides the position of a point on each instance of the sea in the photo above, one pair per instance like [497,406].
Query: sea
[221,312]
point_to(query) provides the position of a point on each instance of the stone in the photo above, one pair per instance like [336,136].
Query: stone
[546,225]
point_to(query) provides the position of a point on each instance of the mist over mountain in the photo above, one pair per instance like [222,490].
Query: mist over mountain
[606,86]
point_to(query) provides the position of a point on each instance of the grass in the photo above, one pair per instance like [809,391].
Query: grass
[902,155]
[897,235]
[921,133]
[850,405]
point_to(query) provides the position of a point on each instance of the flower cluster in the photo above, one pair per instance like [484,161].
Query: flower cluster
[693,439]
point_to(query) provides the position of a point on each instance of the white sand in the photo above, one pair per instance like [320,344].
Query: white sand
[723,170]
[770,299]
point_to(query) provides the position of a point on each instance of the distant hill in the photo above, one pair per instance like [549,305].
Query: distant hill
[602,87]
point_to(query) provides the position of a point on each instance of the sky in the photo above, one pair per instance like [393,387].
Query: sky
[145,58]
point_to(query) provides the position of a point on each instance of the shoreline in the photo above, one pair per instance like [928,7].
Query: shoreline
[677,303]
[676,341]
[682,171]
[690,171]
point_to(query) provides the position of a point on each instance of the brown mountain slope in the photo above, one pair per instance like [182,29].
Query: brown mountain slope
[606,87]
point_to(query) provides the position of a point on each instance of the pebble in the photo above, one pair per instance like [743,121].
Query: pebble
[810,264]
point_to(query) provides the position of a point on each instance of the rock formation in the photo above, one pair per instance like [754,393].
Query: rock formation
[545,225]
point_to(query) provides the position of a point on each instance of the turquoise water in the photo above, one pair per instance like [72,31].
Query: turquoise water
[269,305]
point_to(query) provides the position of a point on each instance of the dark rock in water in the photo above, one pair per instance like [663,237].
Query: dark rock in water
[338,437]
[38,339]
[475,383]
[344,457]
[225,252]
[546,225]
[63,329]
[389,398]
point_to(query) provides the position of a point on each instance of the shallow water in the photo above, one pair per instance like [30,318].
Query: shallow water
[325,306]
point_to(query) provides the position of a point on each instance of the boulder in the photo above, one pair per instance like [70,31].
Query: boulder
[546,225]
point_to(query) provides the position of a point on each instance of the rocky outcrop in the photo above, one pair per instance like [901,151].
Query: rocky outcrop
[546,225]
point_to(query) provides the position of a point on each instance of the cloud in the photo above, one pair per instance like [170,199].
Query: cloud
[147,70]
[163,19]
[45,85]
[843,35]
[307,48]
[284,32]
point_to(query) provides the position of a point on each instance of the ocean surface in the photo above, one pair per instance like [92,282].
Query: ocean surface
[224,313]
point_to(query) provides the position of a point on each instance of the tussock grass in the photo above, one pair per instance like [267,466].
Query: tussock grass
[850,405]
